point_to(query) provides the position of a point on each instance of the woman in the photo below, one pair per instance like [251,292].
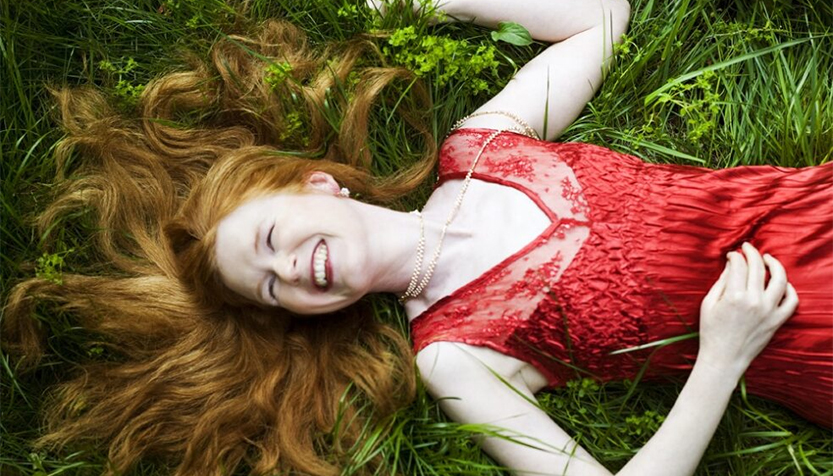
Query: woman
[226,367]
[486,321]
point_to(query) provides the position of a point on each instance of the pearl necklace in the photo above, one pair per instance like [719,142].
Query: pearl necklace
[415,289]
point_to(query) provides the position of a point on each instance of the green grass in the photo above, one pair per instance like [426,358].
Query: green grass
[696,82]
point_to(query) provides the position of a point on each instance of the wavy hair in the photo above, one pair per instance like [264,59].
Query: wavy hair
[201,379]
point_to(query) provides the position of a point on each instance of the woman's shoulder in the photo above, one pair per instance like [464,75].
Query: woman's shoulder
[441,364]
[473,139]
[463,146]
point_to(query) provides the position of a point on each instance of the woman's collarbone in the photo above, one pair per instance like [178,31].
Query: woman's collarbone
[492,223]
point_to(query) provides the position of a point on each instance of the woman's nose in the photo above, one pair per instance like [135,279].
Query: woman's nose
[286,267]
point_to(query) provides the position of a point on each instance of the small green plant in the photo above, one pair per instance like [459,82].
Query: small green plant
[275,74]
[197,14]
[697,102]
[36,460]
[627,50]
[741,34]
[293,125]
[50,266]
[474,66]
[348,11]
[124,72]
[574,397]
[642,425]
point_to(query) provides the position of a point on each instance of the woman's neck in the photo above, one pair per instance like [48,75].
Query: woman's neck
[394,239]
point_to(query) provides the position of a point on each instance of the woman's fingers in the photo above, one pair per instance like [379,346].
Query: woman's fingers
[777,285]
[787,306]
[717,289]
[741,312]
[756,271]
[736,281]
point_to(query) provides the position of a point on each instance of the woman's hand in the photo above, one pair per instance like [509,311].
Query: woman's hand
[741,312]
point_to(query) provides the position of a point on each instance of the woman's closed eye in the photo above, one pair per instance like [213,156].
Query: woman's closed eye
[273,278]
[269,239]
[272,281]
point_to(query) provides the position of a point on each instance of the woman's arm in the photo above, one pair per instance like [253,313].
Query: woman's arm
[555,85]
[468,391]
[738,317]
[534,445]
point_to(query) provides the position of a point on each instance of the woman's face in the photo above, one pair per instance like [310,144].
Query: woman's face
[304,251]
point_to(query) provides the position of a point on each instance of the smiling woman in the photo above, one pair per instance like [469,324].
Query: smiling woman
[223,221]
[208,378]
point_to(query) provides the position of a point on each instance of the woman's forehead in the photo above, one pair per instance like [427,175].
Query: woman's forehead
[235,250]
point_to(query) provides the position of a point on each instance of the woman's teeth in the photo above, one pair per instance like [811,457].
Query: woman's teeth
[319,265]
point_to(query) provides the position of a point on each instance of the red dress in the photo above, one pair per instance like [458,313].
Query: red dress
[658,238]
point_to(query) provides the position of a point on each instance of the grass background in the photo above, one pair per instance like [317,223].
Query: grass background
[714,83]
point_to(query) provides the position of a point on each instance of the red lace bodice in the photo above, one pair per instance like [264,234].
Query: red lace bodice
[658,235]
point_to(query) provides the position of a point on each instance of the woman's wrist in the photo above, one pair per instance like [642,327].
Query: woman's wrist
[723,369]
[678,445]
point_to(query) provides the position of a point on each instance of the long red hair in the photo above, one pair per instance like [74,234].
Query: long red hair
[201,378]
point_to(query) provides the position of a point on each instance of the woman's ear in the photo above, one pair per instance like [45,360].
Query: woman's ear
[322,182]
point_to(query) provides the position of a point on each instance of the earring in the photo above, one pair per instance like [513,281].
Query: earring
[344,192]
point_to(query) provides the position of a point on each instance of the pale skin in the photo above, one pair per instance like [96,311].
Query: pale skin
[738,316]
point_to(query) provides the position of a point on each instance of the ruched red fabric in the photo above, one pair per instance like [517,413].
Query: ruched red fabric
[628,301]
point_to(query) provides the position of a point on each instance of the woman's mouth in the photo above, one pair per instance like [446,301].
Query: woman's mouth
[321,270]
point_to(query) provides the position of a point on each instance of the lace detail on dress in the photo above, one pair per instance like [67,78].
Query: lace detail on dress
[491,309]
[514,165]
[537,279]
[570,192]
